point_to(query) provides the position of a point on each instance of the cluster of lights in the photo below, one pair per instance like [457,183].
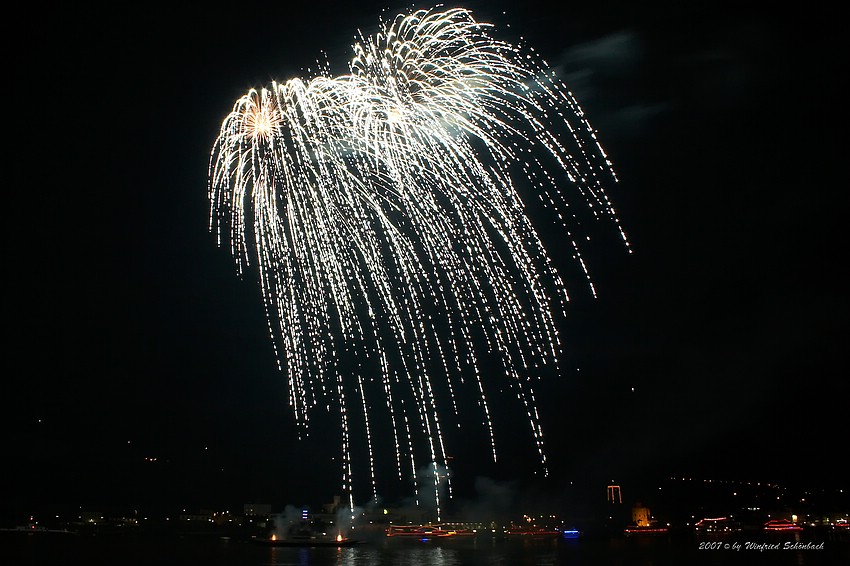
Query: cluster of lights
[730,482]
[782,525]
[382,211]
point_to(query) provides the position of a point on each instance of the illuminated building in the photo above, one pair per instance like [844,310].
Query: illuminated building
[640,515]
[257,509]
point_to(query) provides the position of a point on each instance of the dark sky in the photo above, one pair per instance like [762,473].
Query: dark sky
[716,349]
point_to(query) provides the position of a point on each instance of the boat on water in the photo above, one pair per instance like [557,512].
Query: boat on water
[645,530]
[781,525]
[717,525]
[426,531]
[35,529]
[532,533]
[306,541]
[305,534]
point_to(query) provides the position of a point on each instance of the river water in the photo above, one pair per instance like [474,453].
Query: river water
[610,550]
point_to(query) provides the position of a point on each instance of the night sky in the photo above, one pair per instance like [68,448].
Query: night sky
[138,368]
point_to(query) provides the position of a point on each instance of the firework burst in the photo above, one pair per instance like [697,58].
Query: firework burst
[382,214]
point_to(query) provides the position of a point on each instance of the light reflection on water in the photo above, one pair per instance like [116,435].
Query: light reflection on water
[636,551]
[365,556]
[607,551]
[421,556]
[414,555]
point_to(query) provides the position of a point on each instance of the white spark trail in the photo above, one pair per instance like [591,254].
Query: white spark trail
[381,210]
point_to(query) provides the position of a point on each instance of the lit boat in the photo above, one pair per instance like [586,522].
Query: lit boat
[426,531]
[306,541]
[781,525]
[716,525]
[531,532]
[651,530]
[314,541]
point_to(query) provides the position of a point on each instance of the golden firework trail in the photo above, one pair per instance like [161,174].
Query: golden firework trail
[380,211]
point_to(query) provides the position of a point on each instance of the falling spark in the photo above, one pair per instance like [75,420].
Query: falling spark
[382,213]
